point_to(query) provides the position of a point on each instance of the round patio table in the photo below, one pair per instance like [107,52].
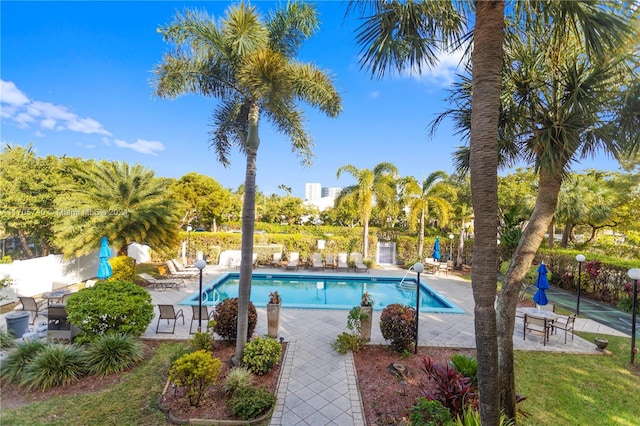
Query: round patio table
[55,296]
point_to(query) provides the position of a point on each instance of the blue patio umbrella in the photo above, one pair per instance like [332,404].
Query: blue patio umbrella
[436,249]
[542,283]
[104,268]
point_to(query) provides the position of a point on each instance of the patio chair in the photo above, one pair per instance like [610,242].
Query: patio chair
[359,263]
[537,323]
[277,258]
[168,312]
[294,259]
[565,323]
[317,262]
[442,267]
[206,316]
[342,262]
[161,284]
[31,304]
[184,274]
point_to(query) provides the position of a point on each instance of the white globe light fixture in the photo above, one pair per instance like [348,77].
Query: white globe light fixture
[200,264]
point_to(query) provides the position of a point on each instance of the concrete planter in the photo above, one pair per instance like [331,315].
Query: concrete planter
[365,323]
[273,319]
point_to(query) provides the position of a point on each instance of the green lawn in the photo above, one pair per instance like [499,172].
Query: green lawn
[561,389]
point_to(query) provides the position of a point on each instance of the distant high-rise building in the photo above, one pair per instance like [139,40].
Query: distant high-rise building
[312,191]
[331,192]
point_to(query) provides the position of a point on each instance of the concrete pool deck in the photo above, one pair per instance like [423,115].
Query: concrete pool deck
[318,385]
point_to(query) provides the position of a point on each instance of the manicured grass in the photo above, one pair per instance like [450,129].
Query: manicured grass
[564,389]
[131,402]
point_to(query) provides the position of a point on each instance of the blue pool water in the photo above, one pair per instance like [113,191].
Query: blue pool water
[326,292]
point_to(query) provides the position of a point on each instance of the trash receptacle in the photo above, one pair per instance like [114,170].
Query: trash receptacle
[17,323]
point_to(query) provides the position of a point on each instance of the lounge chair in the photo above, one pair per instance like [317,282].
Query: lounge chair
[294,258]
[181,268]
[162,284]
[30,304]
[317,262]
[342,262]
[174,273]
[277,258]
[359,263]
[169,313]
[329,261]
[206,316]
[442,267]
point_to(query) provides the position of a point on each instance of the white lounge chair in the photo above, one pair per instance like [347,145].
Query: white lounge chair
[175,273]
[342,262]
[294,258]
[317,262]
[359,263]
[161,284]
[277,258]
[329,261]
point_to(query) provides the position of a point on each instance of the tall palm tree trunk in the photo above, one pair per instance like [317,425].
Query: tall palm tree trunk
[421,234]
[541,218]
[487,64]
[365,240]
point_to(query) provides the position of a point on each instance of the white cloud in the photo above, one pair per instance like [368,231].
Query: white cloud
[142,146]
[374,94]
[443,74]
[10,94]
[17,107]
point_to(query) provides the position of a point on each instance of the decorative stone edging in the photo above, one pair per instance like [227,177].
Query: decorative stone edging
[259,421]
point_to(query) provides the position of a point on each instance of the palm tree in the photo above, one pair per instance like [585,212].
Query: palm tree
[567,72]
[378,183]
[400,35]
[433,195]
[124,203]
[248,63]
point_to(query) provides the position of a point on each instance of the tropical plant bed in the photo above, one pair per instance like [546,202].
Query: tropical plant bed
[215,402]
[385,400]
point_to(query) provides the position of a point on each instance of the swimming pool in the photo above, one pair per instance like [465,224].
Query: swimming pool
[326,291]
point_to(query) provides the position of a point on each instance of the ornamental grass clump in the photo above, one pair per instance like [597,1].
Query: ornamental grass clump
[14,366]
[398,325]
[238,378]
[112,353]
[55,365]
[261,354]
[195,371]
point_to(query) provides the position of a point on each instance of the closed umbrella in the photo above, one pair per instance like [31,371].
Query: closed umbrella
[104,268]
[436,249]
[542,283]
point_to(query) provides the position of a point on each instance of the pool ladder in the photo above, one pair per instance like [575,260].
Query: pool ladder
[215,297]
[406,285]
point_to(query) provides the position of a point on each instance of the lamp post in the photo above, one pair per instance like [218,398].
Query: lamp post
[451,247]
[200,264]
[634,274]
[580,258]
[189,229]
[418,267]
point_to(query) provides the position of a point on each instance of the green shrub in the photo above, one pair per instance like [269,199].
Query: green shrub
[195,371]
[124,269]
[398,325]
[6,340]
[238,378]
[251,402]
[625,304]
[110,306]
[449,387]
[55,365]
[467,365]
[261,354]
[471,417]
[14,366]
[226,318]
[112,353]
[352,341]
[430,413]
[202,340]
[347,342]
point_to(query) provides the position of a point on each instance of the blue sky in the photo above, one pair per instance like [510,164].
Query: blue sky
[75,80]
